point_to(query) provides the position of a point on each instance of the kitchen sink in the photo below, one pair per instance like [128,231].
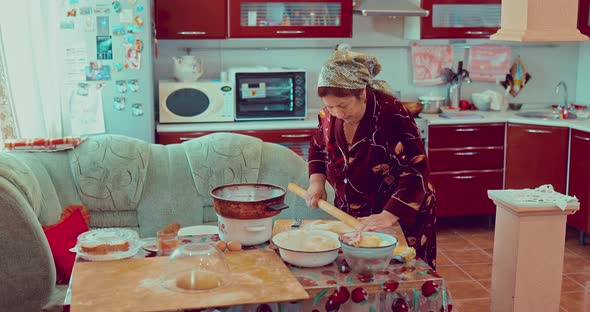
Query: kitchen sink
[544,115]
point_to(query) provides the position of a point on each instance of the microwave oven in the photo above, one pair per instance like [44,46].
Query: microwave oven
[263,93]
[198,101]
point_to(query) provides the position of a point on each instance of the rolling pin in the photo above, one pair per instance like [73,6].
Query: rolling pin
[326,206]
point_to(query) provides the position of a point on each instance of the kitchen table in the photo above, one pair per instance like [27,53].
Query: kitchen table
[403,286]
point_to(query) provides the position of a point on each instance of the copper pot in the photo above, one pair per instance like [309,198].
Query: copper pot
[248,200]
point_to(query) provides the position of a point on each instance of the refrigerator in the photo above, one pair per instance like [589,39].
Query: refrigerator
[107,81]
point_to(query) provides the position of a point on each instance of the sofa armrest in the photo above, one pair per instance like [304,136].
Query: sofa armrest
[27,270]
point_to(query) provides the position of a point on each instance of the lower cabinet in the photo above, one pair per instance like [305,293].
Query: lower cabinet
[466,161]
[295,139]
[579,178]
[536,155]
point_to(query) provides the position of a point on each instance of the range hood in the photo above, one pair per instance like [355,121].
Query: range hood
[539,20]
[389,8]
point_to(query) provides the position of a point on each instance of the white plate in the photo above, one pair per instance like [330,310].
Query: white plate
[98,236]
[198,230]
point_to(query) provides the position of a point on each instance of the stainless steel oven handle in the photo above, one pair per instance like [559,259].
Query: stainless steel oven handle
[295,136]
[466,177]
[537,131]
[581,138]
[185,139]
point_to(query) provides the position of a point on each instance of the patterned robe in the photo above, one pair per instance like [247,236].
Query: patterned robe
[385,168]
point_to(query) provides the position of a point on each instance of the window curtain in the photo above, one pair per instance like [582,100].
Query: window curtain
[8,129]
[33,59]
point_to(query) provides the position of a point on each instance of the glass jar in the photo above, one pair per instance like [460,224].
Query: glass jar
[167,243]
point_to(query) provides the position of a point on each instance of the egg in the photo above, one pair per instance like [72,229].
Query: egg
[221,245]
[234,246]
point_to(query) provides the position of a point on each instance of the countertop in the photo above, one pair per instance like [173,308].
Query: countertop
[312,122]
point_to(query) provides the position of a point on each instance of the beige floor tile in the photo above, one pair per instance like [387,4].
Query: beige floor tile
[472,305]
[581,278]
[452,273]
[487,283]
[467,290]
[570,284]
[442,259]
[472,256]
[457,243]
[576,301]
[575,265]
[478,271]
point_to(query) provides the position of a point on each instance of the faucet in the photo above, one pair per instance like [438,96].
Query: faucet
[566,108]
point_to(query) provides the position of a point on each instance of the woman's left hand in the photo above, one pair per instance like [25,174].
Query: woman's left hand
[378,221]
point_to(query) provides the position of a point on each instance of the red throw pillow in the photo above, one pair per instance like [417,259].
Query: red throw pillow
[61,237]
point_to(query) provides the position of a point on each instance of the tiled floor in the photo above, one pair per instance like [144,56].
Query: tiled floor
[465,247]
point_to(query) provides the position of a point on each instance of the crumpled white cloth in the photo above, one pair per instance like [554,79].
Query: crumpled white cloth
[542,194]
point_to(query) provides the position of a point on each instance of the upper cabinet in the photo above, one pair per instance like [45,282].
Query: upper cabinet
[191,19]
[290,19]
[450,19]
[584,17]
[541,20]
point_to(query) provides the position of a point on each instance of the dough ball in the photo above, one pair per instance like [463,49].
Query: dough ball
[198,280]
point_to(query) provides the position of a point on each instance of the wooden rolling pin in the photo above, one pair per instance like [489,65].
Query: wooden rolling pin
[326,206]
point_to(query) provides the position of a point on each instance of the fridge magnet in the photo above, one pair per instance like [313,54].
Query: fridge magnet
[116,6]
[126,16]
[138,21]
[102,9]
[129,38]
[104,48]
[119,103]
[88,23]
[117,67]
[133,85]
[132,2]
[138,45]
[82,89]
[102,25]
[118,30]
[139,8]
[85,11]
[121,86]
[71,13]
[132,57]
[137,110]
[134,29]
[73,1]
[67,24]
[98,72]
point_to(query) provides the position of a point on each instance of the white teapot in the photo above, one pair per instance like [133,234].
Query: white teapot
[188,68]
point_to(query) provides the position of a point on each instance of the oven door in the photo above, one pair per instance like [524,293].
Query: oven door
[262,96]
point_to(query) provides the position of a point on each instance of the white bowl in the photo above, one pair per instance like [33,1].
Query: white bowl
[481,101]
[298,247]
[369,259]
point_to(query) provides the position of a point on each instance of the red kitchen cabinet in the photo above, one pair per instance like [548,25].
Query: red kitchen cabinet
[466,161]
[579,179]
[191,19]
[584,17]
[536,155]
[450,19]
[290,18]
[295,139]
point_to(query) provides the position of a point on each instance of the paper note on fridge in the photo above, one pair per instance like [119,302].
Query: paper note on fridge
[86,114]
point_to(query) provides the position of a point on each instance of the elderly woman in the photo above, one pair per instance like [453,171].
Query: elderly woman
[369,149]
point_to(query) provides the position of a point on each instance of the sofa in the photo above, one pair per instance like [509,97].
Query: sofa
[123,182]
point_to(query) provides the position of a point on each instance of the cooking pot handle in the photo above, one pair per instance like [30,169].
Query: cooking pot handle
[278,207]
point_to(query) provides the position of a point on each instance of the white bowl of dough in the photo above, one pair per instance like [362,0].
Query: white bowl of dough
[372,254]
[307,248]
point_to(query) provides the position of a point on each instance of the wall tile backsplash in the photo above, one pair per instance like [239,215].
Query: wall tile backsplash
[382,37]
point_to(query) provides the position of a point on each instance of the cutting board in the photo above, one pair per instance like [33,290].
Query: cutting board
[258,276]
[285,225]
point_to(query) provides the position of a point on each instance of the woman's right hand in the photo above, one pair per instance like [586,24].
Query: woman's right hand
[316,190]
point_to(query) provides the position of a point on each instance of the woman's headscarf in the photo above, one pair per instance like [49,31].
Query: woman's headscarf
[352,70]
